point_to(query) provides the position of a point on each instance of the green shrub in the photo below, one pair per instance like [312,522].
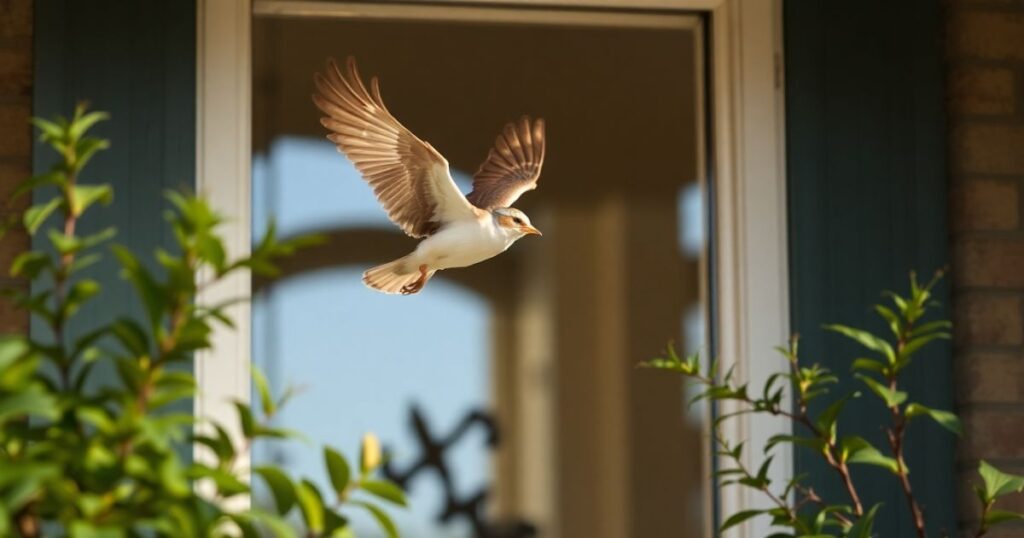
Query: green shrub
[87,457]
[797,507]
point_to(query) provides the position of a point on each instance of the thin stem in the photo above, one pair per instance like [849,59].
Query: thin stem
[811,496]
[791,516]
[60,280]
[831,454]
[896,435]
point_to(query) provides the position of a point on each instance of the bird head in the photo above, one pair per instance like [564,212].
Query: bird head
[514,222]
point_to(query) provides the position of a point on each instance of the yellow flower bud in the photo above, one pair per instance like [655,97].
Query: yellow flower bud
[371,458]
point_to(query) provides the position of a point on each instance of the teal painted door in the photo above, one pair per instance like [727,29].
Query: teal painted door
[867,203]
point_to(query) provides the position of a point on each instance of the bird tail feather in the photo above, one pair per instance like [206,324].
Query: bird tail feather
[391,277]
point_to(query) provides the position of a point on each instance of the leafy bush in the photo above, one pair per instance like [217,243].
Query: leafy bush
[797,507]
[88,457]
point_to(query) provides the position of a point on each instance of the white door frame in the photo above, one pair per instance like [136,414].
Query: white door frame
[751,268]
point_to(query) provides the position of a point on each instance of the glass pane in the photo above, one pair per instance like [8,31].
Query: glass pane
[506,392]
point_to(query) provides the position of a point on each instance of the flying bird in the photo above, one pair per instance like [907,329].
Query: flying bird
[413,184]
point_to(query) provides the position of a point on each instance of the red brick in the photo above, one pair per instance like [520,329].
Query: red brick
[982,91]
[15,131]
[1005,530]
[992,35]
[990,378]
[11,175]
[993,434]
[12,244]
[988,320]
[983,204]
[989,262]
[16,72]
[988,149]
[15,18]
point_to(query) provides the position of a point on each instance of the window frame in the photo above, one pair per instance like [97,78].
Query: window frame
[745,116]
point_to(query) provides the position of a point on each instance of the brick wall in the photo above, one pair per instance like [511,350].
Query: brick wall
[985,88]
[15,138]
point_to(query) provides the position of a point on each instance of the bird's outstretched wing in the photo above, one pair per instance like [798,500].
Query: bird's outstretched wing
[512,166]
[409,177]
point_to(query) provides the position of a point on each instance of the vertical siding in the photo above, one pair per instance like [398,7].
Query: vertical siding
[137,61]
[867,195]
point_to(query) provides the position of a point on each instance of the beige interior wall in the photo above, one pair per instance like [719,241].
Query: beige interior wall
[591,447]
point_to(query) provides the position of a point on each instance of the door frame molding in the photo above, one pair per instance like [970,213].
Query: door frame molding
[746,118]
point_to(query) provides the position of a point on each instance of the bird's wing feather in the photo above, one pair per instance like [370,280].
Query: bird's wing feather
[512,166]
[409,177]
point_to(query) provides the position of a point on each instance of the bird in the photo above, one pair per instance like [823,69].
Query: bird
[414,185]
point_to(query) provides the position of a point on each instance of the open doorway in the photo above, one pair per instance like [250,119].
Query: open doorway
[540,343]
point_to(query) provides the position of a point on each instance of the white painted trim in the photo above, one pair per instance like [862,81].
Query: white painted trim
[461,13]
[750,229]
[752,265]
[223,156]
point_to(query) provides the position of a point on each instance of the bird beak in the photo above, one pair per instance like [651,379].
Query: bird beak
[530,230]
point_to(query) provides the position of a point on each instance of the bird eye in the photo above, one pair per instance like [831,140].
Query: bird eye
[517,220]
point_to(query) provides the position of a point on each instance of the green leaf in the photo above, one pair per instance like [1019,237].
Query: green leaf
[84,529]
[82,124]
[856,449]
[36,215]
[311,504]
[384,489]
[338,470]
[263,387]
[279,528]
[812,443]
[41,180]
[246,419]
[78,294]
[890,318]
[86,148]
[862,527]
[382,518]
[30,264]
[154,298]
[83,196]
[28,401]
[131,335]
[827,420]
[892,398]
[71,244]
[944,418]
[281,487]
[916,344]
[739,517]
[228,485]
[870,365]
[931,326]
[998,483]
[865,339]
[995,517]
[51,132]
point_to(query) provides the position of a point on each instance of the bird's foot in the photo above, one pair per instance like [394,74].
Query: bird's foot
[418,284]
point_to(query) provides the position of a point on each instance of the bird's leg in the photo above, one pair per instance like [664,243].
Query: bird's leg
[416,286]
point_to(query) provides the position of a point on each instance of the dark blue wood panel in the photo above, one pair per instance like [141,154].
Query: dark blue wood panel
[135,60]
[867,203]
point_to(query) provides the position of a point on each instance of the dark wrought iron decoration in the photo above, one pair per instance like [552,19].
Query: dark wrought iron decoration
[432,458]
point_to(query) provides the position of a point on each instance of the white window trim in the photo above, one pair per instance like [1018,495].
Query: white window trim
[750,204]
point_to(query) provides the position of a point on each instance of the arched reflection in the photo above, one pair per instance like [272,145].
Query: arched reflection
[364,361]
